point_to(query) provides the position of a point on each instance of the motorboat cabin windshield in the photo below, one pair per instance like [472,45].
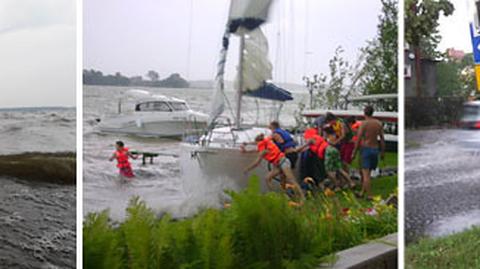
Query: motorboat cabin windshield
[161,106]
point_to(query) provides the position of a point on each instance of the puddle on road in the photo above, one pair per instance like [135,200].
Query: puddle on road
[454,224]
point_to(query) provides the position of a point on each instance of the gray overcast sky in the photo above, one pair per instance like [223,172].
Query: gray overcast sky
[184,35]
[37,52]
[454,29]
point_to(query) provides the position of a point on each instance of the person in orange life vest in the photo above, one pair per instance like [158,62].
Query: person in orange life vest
[268,151]
[310,165]
[333,163]
[284,141]
[343,140]
[313,156]
[121,155]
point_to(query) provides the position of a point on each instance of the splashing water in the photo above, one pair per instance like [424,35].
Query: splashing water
[37,219]
[174,183]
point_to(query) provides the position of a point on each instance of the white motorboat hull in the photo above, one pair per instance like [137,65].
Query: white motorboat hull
[174,126]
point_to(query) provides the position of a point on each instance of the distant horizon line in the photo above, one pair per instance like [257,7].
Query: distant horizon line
[211,79]
[38,107]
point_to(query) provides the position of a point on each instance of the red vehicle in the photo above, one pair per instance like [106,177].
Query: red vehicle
[471,115]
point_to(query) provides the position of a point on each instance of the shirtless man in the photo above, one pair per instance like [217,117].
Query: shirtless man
[370,137]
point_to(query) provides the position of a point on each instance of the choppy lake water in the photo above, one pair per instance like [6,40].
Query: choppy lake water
[162,185]
[37,219]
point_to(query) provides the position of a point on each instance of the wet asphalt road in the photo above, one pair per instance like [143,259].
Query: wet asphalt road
[442,182]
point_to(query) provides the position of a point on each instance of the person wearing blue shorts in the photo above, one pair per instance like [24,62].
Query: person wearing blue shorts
[369,158]
[371,144]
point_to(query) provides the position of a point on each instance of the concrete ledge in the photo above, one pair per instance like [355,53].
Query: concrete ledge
[378,254]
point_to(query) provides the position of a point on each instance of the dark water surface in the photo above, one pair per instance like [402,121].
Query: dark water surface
[37,197]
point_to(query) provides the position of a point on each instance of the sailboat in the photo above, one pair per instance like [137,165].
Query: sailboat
[217,152]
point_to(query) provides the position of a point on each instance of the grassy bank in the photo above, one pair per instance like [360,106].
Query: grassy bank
[391,160]
[255,231]
[460,250]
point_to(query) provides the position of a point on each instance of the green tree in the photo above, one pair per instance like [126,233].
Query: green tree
[332,91]
[456,77]
[380,70]
[153,76]
[421,29]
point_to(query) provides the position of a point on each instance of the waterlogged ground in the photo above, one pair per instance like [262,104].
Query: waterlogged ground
[442,182]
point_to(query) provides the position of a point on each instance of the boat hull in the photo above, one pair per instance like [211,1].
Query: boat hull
[154,125]
[157,129]
[223,166]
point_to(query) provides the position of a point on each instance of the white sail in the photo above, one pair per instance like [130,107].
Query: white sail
[257,68]
[218,102]
[249,9]
[244,19]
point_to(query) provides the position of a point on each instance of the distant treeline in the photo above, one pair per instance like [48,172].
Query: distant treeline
[94,77]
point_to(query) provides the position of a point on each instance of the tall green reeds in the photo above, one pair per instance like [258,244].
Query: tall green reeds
[256,231]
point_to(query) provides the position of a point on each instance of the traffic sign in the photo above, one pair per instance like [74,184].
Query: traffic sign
[475,35]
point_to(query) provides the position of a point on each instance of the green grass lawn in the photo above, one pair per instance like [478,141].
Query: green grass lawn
[384,186]
[391,160]
[381,186]
[460,250]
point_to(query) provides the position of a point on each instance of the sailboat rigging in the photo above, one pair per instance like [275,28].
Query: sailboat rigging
[218,151]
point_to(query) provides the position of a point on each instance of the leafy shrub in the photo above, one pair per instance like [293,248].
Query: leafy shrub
[256,231]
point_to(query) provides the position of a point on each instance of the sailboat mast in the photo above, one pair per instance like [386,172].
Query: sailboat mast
[240,81]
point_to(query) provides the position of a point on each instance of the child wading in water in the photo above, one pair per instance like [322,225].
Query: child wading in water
[121,155]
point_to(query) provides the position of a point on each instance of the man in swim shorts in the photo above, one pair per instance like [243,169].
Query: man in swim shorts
[371,144]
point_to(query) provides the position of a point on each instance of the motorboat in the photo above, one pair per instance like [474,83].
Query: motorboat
[155,115]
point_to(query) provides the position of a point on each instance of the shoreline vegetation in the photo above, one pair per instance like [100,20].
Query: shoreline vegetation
[255,231]
[459,250]
[58,167]
[94,77]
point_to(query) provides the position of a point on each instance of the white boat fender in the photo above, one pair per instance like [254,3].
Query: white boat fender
[139,123]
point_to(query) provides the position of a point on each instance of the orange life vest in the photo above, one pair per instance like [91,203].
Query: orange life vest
[122,158]
[312,133]
[273,155]
[322,148]
[355,127]
[309,133]
[320,144]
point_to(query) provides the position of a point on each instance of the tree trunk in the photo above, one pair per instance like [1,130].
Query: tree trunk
[418,72]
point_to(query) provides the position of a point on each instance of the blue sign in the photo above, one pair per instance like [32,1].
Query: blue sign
[475,43]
